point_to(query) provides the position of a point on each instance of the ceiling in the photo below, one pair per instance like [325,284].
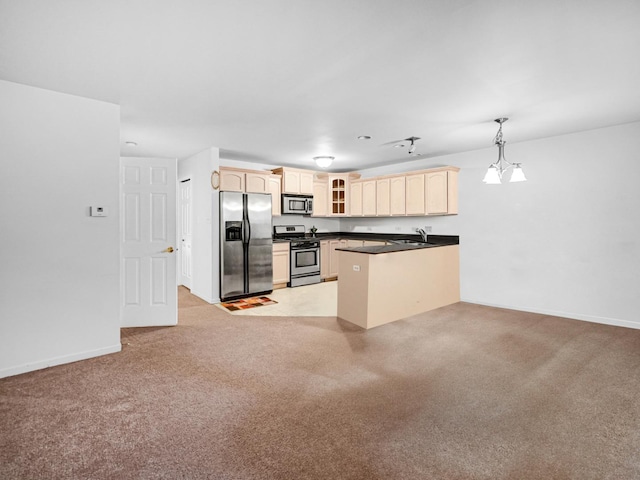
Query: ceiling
[282,81]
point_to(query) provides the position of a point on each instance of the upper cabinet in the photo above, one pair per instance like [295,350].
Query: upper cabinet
[383,205]
[275,189]
[414,194]
[369,193]
[231,180]
[320,198]
[432,192]
[355,198]
[426,192]
[241,180]
[338,194]
[397,195]
[295,180]
[331,194]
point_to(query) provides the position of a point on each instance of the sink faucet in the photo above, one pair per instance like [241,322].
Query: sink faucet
[422,233]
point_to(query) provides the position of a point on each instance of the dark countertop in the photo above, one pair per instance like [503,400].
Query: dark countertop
[388,237]
[374,250]
[432,241]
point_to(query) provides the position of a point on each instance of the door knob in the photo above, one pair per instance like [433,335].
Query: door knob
[168,250]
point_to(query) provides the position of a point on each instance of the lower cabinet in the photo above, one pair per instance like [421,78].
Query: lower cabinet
[329,257]
[324,259]
[333,256]
[281,264]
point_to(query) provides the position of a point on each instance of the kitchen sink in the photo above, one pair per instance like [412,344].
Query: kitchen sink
[408,242]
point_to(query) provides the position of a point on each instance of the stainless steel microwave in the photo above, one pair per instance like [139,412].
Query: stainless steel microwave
[297,204]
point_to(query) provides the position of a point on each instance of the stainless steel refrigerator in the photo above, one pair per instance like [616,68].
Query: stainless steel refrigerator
[246,257]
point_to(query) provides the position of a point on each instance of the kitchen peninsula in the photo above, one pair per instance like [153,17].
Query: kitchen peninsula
[382,284]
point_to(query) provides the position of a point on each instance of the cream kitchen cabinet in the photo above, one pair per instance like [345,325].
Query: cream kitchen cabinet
[275,190]
[338,188]
[382,197]
[432,192]
[334,255]
[320,199]
[329,257]
[355,198]
[397,195]
[281,264]
[296,181]
[325,259]
[240,180]
[369,188]
[414,194]
[338,195]
[231,180]
[441,192]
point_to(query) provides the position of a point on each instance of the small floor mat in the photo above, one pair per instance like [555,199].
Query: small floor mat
[245,303]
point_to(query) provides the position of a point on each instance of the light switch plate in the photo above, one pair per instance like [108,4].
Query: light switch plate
[98,211]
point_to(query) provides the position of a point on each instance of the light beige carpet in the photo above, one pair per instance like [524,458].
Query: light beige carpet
[462,392]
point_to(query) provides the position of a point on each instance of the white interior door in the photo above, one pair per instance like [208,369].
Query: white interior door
[186,233]
[148,232]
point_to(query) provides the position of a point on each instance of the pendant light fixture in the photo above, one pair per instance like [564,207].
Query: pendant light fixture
[497,169]
[323,161]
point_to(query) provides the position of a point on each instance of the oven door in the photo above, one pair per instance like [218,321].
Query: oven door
[305,261]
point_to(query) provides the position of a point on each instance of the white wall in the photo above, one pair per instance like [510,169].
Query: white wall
[566,242]
[59,286]
[205,282]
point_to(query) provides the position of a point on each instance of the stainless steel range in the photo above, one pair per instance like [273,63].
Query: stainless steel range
[304,252]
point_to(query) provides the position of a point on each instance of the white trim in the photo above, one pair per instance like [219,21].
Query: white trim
[204,297]
[573,316]
[52,362]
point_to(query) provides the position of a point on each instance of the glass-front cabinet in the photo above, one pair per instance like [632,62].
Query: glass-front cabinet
[338,187]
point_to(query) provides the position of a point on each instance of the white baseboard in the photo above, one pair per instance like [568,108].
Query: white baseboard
[205,297]
[574,316]
[51,362]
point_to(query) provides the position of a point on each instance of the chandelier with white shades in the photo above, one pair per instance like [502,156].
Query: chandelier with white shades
[496,170]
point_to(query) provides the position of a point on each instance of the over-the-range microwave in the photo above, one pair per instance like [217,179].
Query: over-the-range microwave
[297,204]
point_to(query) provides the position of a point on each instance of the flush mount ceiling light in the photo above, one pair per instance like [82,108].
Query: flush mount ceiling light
[323,161]
[497,169]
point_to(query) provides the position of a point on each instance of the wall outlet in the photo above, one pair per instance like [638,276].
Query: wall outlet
[356,268]
[427,229]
